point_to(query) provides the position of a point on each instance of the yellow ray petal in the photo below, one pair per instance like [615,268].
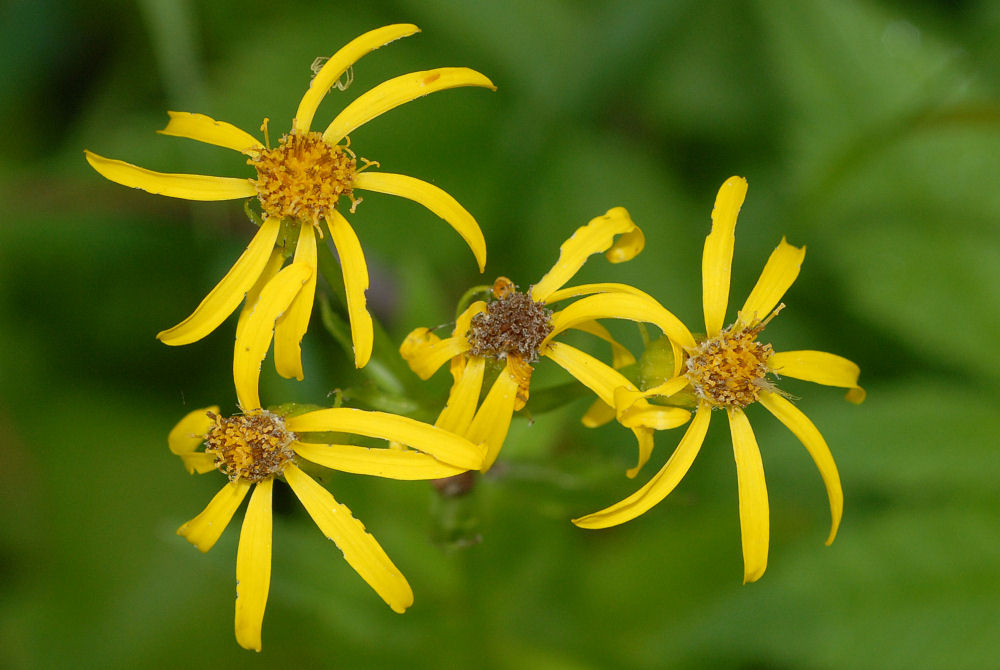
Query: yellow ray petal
[292,325]
[432,198]
[463,398]
[186,186]
[778,275]
[819,367]
[389,463]
[754,513]
[599,377]
[440,444]
[398,91]
[717,260]
[644,438]
[204,530]
[253,567]
[597,236]
[361,551]
[424,352]
[662,483]
[619,354]
[227,294]
[355,271]
[599,414]
[255,338]
[810,437]
[338,64]
[198,462]
[274,264]
[206,129]
[590,289]
[634,411]
[667,388]
[190,431]
[492,421]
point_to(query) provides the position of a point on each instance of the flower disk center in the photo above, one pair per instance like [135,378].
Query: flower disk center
[730,369]
[303,177]
[253,447]
[513,324]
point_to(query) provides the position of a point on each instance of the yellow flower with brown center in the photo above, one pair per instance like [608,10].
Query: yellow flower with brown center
[516,328]
[729,370]
[300,184]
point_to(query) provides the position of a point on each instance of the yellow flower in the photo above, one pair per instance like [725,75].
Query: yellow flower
[299,184]
[728,370]
[517,328]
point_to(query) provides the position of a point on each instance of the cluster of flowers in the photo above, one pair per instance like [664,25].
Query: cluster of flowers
[300,185]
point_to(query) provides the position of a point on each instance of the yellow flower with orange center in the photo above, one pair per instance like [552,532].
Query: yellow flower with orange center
[729,370]
[300,184]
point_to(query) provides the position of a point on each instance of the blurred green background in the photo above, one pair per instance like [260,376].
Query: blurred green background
[869,131]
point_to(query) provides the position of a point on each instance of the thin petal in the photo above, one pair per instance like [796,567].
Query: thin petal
[355,271]
[338,64]
[254,340]
[186,186]
[597,236]
[492,421]
[463,398]
[424,352]
[754,513]
[424,437]
[361,551]
[662,483]
[633,411]
[198,462]
[599,414]
[667,388]
[227,294]
[206,129]
[717,260]
[819,367]
[274,264]
[190,431]
[253,567]
[619,354]
[204,530]
[778,275]
[389,463]
[590,289]
[622,306]
[432,198]
[644,438]
[292,325]
[398,91]
[810,437]
[599,377]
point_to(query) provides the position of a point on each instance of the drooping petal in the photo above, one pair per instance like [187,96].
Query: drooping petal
[424,352]
[492,421]
[597,236]
[186,186]
[292,325]
[463,398]
[274,264]
[620,355]
[778,275]
[339,63]
[644,438]
[432,198]
[819,367]
[204,530]
[599,377]
[389,463]
[398,91]
[440,444]
[190,431]
[717,260]
[754,512]
[590,289]
[255,338]
[253,567]
[361,551]
[206,129]
[227,294]
[810,437]
[599,414]
[355,271]
[662,483]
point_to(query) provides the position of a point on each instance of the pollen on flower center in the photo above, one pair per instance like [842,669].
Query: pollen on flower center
[730,369]
[513,324]
[303,177]
[253,447]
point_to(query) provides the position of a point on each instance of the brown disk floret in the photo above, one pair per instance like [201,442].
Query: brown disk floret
[513,324]
[253,447]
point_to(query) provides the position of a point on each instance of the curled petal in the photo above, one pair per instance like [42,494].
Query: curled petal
[186,186]
[398,91]
[425,352]
[599,377]
[389,463]
[492,421]
[355,270]
[662,483]
[206,129]
[619,354]
[339,63]
[274,264]
[819,367]
[190,431]
[432,198]
[667,388]
[253,567]
[291,326]
[204,530]
[644,438]
[597,236]
[754,513]
[590,289]
[361,551]
[717,260]
[779,273]
[633,411]
[599,414]
[227,294]
[463,398]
